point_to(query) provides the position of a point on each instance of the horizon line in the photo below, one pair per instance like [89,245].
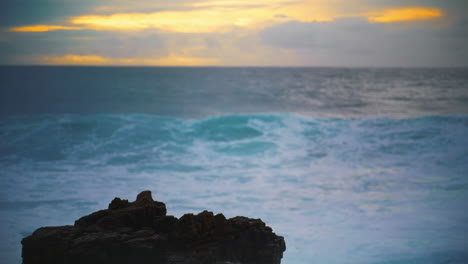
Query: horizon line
[232,66]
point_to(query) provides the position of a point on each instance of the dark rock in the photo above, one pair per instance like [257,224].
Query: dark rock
[122,214]
[140,232]
[118,203]
[144,197]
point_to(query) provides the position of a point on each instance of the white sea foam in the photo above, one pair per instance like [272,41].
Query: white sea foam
[360,190]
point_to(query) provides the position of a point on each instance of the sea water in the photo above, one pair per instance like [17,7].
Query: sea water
[349,165]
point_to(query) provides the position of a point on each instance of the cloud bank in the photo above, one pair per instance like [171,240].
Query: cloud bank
[358,42]
[236,33]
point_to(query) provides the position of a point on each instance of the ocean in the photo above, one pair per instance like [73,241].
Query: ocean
[350,165]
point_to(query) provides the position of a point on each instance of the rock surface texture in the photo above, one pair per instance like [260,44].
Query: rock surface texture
[141,232]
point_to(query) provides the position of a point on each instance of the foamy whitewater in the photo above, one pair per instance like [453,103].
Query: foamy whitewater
[349,165]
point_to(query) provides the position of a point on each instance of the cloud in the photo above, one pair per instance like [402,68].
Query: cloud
[237,3]
[226,16]
[203,20]
[203,17]
[405,14]
[358,42]
[263,32]
[281,16]
[26,12]
[74,59]
[190,17]
[42,28]
[235,49]
[183,22]
[112,44]
[84,38]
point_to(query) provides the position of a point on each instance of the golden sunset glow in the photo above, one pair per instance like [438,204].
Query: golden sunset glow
[224,16]
[224,3]
[73,59]
[195,21]
[235,32]
[42,28]
[213,16]
[406,14]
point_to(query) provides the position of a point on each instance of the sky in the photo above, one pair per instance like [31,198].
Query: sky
[330,33]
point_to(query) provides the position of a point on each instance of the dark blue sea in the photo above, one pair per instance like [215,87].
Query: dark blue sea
[349,165]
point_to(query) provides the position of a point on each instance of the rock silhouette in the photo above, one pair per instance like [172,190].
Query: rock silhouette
[141,232]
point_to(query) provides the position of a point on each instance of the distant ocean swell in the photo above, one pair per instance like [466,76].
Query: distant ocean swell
[384,190]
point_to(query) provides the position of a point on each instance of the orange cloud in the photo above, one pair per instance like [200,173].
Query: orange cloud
[42,28]
[73,59]
[227,15]
[192,21]
[237,3]
[405,14]
[210,16]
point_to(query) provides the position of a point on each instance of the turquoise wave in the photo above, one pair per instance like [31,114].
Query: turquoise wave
[133,138]
[375,190]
